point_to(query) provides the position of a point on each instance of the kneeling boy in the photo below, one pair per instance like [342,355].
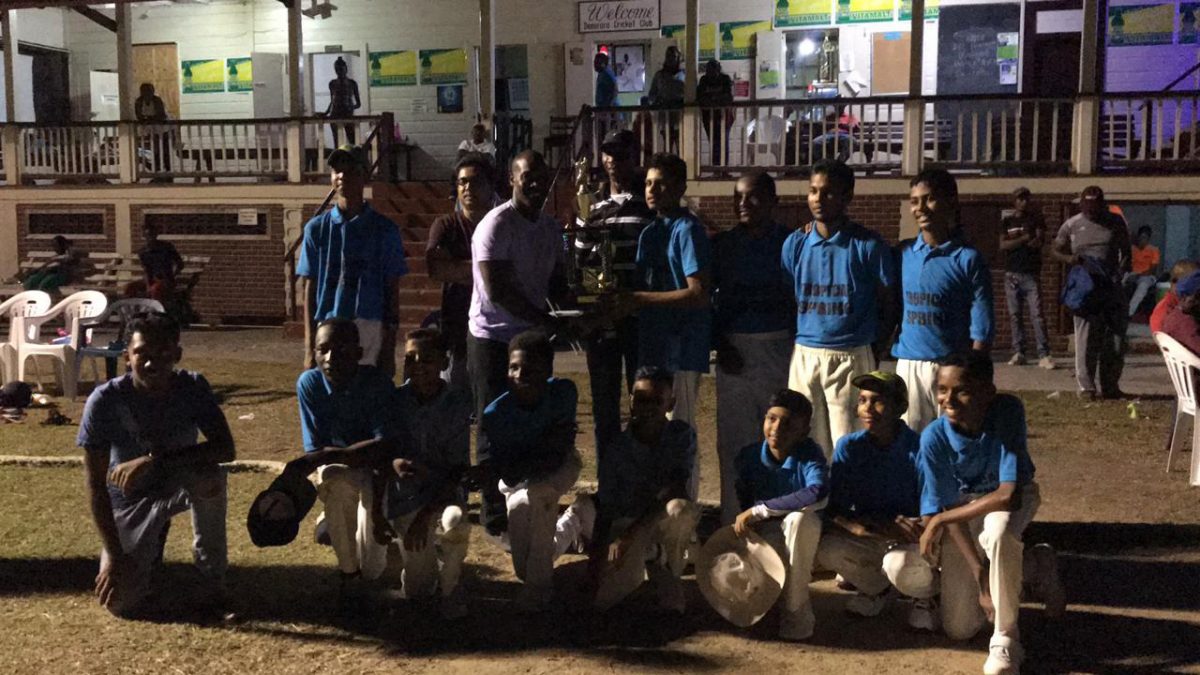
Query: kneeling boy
[530,432]
[781,484]
[145,465]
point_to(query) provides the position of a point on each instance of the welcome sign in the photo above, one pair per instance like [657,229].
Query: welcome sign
[619,15]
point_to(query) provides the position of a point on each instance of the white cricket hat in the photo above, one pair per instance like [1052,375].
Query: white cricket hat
[741,577]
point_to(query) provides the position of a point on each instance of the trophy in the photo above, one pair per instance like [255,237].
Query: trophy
[589,247]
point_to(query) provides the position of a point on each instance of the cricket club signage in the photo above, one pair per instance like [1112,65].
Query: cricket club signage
[618,15]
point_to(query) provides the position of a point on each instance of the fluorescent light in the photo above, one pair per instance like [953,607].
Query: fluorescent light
[807,47]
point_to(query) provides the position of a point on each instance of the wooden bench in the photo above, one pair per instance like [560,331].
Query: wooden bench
[111,273]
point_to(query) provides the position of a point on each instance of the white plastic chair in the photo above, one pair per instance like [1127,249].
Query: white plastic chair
[1183,365]
[17,309]
[74,309]
[121,312]
[768,134]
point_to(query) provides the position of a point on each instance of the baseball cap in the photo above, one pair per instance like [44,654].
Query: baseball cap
[1090,193]
[1189,285]
[355,155]
[619,139]
[1022,192]
[740,577]
[275,515]
[888,384]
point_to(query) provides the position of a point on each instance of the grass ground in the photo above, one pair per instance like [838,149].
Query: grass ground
[1129,534]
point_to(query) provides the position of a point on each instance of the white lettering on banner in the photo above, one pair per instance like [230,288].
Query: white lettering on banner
[619,15]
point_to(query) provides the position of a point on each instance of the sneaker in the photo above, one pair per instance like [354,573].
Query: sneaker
[1046,363]
[671,596]
[844,585]
[1044,580]
[1004,657]
[1017,359]
[1087,395]
[797,626]
[924,614]
[868,605]
[321,531]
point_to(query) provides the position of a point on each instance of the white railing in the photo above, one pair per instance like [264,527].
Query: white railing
[1149,130]
[323,135]
[212,149]
[657,129]
[82,151]
[994,134]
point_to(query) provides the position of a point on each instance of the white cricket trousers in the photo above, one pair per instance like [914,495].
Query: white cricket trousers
[868,563]
[686,389]
[921,379]
[370,338]
[742,402]
[532,519]
[824,376]
[439,564]
[347,494]
[658,549]
[795,537]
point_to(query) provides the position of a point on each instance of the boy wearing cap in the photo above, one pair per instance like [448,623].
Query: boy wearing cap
[145,464]
[423,501]
[782,483]
[640,520]
[1100,239]
[977,489]
[873,512]
[1179,271]
[349,426]
[843,276]
[947,292]
[1022,233]
[530,431]
[351,262]
[624,213]
[1181,322]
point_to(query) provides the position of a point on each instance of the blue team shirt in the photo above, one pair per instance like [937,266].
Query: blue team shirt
[515,434]
[752,293]
[670,250]
[130,424]
[866,480]
[953,465]
[631,475]
[762,480]
[947,299]
[352,263]
[835,283]
[437,434]
[606,88]
[361,412]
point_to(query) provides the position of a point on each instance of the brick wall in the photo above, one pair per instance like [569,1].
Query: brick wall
[982,214]
[26,243]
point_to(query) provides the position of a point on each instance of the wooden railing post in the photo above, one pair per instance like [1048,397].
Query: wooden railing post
[10,136]
[1085,135]
[689,146]
[127,152]
[914,137]
[295,151]
[383,141]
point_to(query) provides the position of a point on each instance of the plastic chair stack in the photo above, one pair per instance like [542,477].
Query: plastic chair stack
[1184,366]
[18,309]
[74,309]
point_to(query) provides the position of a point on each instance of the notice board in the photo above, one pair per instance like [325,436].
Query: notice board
[889,62]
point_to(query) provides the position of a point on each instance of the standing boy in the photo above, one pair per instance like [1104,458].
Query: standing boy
[145,464]
[842,275]
[1022,234]
[947,293]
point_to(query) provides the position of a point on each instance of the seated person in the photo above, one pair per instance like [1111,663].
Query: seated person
[977,497]
[1181,322]
[424,502]
[478,143]
[145,464]
[161,263]
[530,431]
[1179,271]
[1143,272]
[643,521]
[62,269]
[782,483]
[350,430]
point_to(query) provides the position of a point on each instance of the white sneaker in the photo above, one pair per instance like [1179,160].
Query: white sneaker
[1004,657]
[1044,580]
[924,614]
[796,627]
[1046,363]
[1017,359]
[868,605]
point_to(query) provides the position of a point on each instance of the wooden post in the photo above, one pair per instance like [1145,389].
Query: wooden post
[295,59]
[487,61]
[913,155]
[1084,134]
[12,135]
[689,147]
[127,159]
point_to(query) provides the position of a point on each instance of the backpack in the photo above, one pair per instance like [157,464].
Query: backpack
[1086,289]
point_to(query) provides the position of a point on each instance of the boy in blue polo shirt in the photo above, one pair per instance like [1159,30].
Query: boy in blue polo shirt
[782,483]
[424,502]
[351,262]
[673,265]
[977,485]
[947,293]
[872,521]
[349,427]
[842,275]
[145,464]
[531,451]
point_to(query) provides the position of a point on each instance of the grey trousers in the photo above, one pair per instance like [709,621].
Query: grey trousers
[1019,290]
[1100,350]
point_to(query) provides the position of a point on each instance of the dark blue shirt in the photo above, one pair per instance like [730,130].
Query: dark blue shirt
[606,88]
[436,434]
[947,299]
[866,480]
[954,465]
[799,481]
[836,282]
[632,475]
[751,292]
[362,411]
[526,443]
[352,263]
[670,250]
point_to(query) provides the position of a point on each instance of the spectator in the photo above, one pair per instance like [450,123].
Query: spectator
[478,143]
[1098,237]
[343,101]
[149,108]
[161,264]
[1022,234]
[448,258]
[666,89]
[1181,323]
[1143,272]
[606,81]
[61,269]
[1169,301]
[715,90]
